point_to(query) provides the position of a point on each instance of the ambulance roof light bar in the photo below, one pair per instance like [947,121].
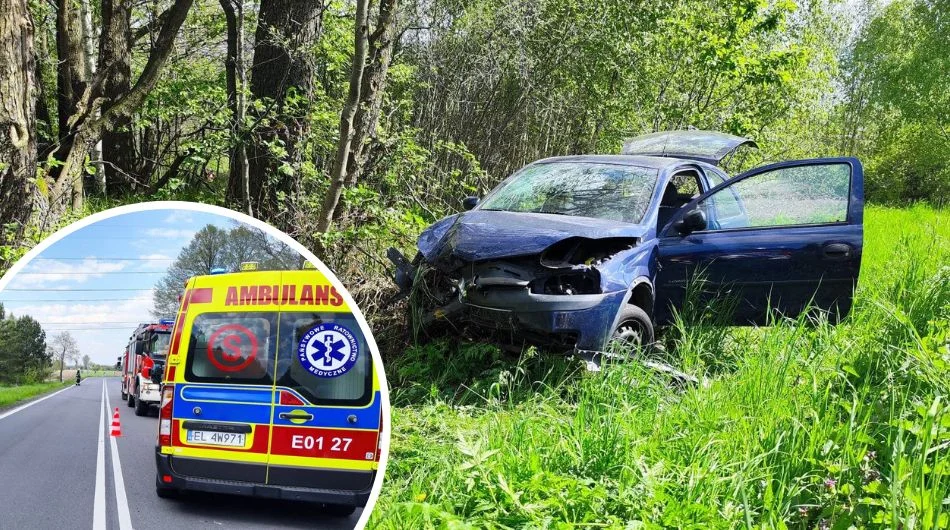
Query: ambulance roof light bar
[219,270]
[249,266]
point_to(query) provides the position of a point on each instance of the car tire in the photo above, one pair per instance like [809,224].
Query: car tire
[338,510]
[130,400]
[141,407]
[634,328]
[125,396]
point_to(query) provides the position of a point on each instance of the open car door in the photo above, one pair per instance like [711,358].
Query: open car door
[784,237]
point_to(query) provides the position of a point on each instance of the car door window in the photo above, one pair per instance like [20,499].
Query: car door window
[786,196]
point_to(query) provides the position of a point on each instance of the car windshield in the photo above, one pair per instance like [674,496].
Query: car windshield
[159,346]
[582,189]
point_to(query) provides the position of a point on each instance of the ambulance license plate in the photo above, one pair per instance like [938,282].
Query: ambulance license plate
[230,439]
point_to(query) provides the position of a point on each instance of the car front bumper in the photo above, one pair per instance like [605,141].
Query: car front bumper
[166,466]
[588,317]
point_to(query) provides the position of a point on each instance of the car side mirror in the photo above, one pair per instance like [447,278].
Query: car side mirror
[470,202]
[693,221]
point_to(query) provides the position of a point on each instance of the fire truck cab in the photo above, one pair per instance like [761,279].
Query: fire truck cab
[144,356]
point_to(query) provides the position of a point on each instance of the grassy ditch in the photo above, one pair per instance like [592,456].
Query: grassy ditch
[801,425]
[9,395]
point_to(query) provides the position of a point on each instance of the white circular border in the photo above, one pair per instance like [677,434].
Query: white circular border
[386,426]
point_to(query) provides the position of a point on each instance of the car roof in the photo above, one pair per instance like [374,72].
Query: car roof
[652,162]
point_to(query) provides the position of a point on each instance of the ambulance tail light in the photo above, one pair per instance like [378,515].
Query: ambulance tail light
[165,416]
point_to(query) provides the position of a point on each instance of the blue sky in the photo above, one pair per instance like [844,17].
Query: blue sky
[96,283]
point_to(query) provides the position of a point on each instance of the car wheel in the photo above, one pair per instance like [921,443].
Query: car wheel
[125,396]
[634,328]
[141,407]
[130,401]
[339,510]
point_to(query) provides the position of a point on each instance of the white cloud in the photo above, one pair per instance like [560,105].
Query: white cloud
[157,257]
[85,314]
[171,233]
[53,271]
[179,217]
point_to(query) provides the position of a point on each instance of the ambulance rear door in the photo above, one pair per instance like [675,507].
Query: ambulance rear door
[224,398]
[327,402]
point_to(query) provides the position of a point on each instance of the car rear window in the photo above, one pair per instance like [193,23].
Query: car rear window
[232,348]
[259,348]
[300,363]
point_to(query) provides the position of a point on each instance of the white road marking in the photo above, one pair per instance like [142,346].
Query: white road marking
[99,505]
[31,403]
[121,501]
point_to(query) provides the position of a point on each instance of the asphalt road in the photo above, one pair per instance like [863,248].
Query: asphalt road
[60,470]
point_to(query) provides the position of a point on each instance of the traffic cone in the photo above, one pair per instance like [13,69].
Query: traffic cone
[116,428]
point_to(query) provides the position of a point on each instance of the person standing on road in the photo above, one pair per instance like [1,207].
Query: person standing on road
[78,377]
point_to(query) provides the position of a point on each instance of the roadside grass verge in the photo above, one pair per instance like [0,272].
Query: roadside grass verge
[801,425]
[10,395]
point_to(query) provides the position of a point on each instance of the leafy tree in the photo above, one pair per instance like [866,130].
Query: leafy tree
[212,248]
[63,348]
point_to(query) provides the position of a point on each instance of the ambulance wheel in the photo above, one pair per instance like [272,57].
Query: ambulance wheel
[339,510]
[141,407]
[125,396]
[130,400]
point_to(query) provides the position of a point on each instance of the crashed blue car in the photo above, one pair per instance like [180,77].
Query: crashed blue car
[577,252]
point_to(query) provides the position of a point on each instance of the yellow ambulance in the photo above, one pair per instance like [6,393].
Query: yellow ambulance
[269,390]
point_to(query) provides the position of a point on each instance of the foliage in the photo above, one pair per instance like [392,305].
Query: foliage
[23,355]
[895,116]
[213,248]
[799,425]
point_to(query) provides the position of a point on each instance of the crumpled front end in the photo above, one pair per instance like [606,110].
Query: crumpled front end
[565,296]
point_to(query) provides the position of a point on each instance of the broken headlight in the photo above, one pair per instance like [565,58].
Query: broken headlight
[580,282]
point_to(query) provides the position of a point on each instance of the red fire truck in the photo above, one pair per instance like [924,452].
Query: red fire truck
[143,357]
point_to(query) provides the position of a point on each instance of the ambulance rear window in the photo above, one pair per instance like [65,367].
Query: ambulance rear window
[232,348]
[325,358]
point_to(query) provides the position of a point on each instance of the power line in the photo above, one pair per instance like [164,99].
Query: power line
[6,300]
[96,258]
[89,273]
[76,290]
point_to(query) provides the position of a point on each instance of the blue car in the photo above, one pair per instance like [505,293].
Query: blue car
[581,251]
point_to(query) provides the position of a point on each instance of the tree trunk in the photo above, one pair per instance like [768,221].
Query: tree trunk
[17,118]
[71,71]
[89,68]
[90,128]
[372,87]
[361,113]
[71,78]
[285,31]
[118,145]
[238,180]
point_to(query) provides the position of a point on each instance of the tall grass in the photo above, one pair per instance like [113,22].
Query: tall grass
[799,425]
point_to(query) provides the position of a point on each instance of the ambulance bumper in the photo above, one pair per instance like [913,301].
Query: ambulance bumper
[166,465]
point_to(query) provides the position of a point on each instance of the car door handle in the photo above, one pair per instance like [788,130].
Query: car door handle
[295,416]
[836,251]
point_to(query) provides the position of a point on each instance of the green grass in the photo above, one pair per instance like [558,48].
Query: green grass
[12,394]
[801,425]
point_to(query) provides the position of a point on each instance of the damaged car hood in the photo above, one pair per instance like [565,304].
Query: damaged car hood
[481,234]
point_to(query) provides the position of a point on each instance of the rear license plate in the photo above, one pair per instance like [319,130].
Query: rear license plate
[229,439]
